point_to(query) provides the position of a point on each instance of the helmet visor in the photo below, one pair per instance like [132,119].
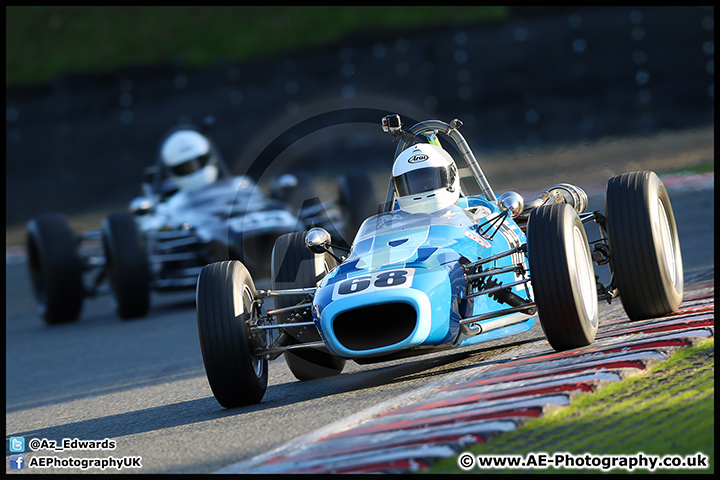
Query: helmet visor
[190,166]
[423,180]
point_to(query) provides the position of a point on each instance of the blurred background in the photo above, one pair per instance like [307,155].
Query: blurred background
[91,90]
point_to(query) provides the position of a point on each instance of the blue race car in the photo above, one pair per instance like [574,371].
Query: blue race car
[447,264]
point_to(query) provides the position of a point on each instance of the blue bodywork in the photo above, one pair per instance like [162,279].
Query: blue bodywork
[400,260]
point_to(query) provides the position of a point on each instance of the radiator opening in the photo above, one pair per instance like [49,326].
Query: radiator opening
[375,326]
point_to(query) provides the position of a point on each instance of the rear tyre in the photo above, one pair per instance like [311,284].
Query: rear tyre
[294,266]
[357,197]
[225,309]
[55,268]
[563,277]
[127,265]
[644,245]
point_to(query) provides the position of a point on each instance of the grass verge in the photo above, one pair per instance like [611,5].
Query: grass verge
[669,410]
[45,41]
[703,168]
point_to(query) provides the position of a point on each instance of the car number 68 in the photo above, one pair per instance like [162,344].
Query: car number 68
[375,281]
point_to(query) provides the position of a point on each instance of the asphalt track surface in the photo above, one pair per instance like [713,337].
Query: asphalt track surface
[142,383]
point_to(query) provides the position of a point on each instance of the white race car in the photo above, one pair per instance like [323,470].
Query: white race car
[167,236]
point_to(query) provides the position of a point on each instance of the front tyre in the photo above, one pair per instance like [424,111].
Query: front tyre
[563,277]
[55,268]
[127,265]
[644,245]
[225,309]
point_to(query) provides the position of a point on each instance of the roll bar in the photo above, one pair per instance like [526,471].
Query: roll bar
[430,128]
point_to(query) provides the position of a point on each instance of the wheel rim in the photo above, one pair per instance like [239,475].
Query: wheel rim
[666,243]
[584,276]
[257,362]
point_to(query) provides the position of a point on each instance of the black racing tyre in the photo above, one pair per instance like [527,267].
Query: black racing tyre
[358,199]
[55,268]
[644,245]
[563,277]
[127,265]
[294,266]
[225,298]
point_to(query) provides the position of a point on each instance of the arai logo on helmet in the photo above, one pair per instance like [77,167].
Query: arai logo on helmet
[418,158]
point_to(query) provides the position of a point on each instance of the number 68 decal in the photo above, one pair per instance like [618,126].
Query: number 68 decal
[375,281]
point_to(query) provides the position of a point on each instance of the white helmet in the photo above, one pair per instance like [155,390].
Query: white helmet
[425,179]
[189,158]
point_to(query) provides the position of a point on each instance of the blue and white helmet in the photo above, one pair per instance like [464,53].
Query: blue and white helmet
[425,179]
[189,159]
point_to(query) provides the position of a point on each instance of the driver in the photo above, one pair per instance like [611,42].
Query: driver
[425,179]
[189,159]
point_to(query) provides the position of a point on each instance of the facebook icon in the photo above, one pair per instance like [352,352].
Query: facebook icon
[17,462]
